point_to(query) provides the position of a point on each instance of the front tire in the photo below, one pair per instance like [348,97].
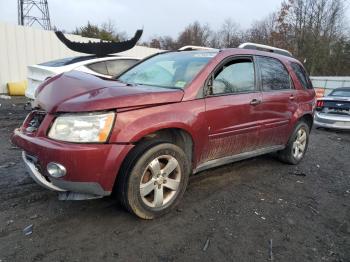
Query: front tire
[155,180]
[297,145]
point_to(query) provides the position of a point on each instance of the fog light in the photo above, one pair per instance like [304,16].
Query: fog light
[56,170]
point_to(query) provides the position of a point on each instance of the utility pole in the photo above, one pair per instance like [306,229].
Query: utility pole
[31,12]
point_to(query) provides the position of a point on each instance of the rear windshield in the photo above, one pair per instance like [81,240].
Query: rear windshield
[343,93]
[67,61]
[172,70]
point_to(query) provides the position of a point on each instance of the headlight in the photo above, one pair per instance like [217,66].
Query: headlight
[80,128]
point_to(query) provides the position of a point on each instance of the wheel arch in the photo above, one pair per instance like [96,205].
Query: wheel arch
[178,136]
[308,119]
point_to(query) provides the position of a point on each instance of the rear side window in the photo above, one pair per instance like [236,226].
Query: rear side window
[302,76]
[99,67]
[237,76]
[274,76]
[115,67]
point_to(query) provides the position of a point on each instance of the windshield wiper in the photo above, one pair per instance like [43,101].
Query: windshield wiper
[127,84]
[168,87]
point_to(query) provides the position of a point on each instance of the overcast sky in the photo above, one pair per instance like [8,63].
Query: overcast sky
[157,17]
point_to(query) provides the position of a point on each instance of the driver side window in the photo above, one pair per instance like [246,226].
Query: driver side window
[234,77]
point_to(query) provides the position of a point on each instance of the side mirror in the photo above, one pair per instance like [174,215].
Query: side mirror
[209,87]
[220,86]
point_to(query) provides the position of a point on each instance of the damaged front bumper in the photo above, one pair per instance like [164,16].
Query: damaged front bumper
[36,175]
[67,190]
[91,169]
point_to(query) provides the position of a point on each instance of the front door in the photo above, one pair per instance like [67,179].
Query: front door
[231,109]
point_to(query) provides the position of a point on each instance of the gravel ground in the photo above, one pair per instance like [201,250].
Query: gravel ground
[253,210]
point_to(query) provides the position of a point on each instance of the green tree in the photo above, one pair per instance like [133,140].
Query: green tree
[106,31]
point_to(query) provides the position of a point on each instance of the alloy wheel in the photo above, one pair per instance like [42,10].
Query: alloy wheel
[160,181]
[299,144]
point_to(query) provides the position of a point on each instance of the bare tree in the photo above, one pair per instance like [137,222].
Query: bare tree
[263,31]
[312,29]
[168,43]
[315,31]
[195,34]
[155,43]
[230,34]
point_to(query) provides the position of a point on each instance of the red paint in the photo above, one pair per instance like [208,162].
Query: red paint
[219,126]
[79,92]
[236,130]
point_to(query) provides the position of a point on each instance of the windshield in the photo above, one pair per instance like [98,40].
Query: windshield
[172,70]
[343,93]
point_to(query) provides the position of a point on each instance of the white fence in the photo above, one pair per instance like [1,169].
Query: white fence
[22,46]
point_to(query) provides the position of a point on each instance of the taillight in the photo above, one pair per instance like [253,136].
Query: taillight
[319,104]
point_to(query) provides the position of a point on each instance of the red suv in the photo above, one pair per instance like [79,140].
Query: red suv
[174,114]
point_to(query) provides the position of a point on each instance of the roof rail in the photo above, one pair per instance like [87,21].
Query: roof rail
[194,47]
[266,48]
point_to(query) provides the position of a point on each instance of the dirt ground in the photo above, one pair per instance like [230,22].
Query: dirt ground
[245,211]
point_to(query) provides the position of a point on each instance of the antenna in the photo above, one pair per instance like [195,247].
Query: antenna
[32,12]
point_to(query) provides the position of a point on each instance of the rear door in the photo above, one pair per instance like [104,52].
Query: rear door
[279,102]
[230,109]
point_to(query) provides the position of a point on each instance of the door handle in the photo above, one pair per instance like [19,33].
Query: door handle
[292,97]
[255,102]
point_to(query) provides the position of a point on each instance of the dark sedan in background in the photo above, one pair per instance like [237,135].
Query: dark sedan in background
[333,111]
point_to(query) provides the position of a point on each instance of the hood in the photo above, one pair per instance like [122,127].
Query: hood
[80,92]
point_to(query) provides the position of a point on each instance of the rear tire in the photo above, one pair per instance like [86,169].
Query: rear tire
[153,179]
[297,145]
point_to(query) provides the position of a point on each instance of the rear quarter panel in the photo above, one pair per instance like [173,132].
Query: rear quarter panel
[306,98]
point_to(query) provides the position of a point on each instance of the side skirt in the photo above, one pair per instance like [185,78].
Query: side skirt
[230,159]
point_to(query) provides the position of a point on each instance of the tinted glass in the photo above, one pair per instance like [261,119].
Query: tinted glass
[302,76]
[115,67]
[235,77]
[341,92]
[274,75]
[67,61]
[173,70]
[99,67]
